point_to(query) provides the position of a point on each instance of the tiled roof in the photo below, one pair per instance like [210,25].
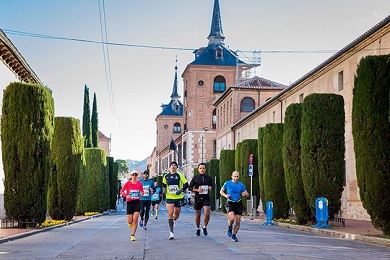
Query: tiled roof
[174,108]
[252,83]
[207,56]
[259,83]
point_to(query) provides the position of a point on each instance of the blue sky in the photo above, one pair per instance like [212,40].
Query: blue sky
[142,78]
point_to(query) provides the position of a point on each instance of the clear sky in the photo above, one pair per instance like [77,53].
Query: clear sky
[141,78]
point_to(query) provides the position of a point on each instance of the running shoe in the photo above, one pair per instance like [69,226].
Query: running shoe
[230,231]
[145,228]
[171,236]
[141,223]
[130,225]
[205,231]
[156,217]
[197,232]
[234,238]
[152,214]
[132,237]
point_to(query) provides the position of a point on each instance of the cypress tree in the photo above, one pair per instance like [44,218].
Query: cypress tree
[292,163]
[95,123]
[273,172]
[322,149]
[226,168]
[93,192]
[113,178]
[237,158]
[87,131]
[260,134]
[213,171]
[26,131]
[249,146]
[371,135]
[66,156]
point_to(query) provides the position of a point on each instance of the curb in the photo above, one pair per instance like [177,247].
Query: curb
[338,234]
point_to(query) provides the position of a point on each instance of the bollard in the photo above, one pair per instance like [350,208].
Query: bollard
[268,213]
[321,213]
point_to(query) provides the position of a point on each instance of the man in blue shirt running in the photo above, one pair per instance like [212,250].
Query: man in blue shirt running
[148,185]
[232,191]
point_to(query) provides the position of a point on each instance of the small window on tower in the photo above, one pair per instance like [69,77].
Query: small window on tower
[219,53]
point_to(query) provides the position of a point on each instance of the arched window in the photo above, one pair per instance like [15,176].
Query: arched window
[176,128]
[219,84]
[247,104]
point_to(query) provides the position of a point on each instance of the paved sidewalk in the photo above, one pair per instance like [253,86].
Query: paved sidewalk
[359,230]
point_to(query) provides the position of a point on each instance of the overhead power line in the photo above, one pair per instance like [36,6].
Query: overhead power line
[51,37]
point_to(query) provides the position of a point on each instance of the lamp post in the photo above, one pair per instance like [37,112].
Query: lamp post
[202,147]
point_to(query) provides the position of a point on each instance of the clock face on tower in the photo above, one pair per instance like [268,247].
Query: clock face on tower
[200,82]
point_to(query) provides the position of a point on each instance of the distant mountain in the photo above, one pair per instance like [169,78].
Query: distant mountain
[140,166]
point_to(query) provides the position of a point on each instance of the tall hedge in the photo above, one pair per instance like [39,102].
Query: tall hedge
[237,158]
[371,135]
[260,134]
[66,157]
[26,129]
[213,171]
[249,146]
[112,179]
[273,172]
[93,195]
[291,152]
[322,149]
[226,168]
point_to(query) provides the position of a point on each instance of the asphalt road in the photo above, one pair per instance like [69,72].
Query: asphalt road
[108,237]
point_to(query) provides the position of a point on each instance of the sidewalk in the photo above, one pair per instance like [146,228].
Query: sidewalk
[358,230]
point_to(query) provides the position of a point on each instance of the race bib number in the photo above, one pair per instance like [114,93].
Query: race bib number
[155,196]
[172,189]
[204,189]
[134,194]
[146,190]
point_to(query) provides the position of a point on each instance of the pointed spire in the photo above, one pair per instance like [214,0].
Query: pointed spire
[216,33]
[175,95]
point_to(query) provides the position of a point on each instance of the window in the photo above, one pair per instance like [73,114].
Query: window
[176,128]
[214,119]
[247,104]
[219,53]
[184,150]
[340,80]
[301,98]
[219,84]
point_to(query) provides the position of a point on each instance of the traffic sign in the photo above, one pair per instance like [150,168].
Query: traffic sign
[250,172]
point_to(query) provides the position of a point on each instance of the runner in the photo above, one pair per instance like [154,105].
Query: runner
[201,184]
[148,185]
[232,191]
[132,191]
[176,183]
[156,198]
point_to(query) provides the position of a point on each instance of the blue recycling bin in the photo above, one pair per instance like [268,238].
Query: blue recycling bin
[269,206]
[322,214]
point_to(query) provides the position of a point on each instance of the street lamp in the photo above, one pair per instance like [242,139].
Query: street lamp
[205,130]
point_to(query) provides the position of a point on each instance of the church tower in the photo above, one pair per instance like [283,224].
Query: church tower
[214,68]
[169,126]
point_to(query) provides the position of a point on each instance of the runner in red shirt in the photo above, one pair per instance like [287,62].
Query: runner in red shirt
[132,191]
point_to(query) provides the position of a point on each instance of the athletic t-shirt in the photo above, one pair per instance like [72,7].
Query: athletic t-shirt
[174,183]
[234,189]
[156,194]
[133,189]
[202,181]
[147,184]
